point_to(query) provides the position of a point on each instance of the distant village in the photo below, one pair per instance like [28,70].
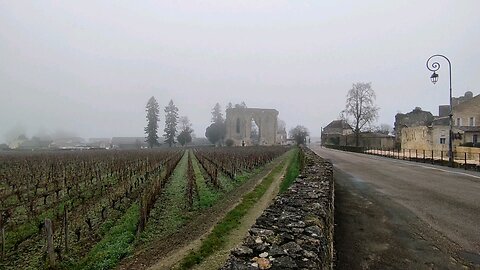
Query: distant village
[78,143]
[419,129]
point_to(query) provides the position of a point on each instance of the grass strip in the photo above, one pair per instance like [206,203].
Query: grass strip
[207,195]
[116,244]
[170,210]
[218,237]
[293,170]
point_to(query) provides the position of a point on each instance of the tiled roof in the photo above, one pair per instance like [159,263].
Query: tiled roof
[339,124]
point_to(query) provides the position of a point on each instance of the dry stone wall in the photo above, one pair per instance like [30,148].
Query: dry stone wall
[296,231]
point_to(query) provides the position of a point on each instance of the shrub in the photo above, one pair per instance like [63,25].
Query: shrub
[229,142]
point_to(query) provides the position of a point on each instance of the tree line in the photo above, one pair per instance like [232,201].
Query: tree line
[183,136]
[215,132]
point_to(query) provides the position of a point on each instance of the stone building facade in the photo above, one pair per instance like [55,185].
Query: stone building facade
[466,117]
[458,100]
[416,118]
[239,126]
[466,128]
[335,132]
[339,132]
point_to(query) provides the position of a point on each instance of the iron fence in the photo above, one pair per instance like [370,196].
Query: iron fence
[466,160]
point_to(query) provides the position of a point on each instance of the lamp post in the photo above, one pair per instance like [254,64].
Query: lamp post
[434,78]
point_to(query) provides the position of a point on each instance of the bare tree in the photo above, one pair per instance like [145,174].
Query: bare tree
[184,123]
[299,134]
[360,106]
[186,130]
[384,129]
[242,105]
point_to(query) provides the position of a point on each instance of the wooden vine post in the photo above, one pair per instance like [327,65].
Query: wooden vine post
[50,248]
[65,226]
[2,226]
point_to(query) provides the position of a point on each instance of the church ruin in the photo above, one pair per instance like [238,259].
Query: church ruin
[251,126]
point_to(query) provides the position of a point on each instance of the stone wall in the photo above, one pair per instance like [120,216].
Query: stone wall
[296,231]
[429,138]
[415,118]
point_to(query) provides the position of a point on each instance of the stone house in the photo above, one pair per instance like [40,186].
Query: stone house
[466,128]
[458,100]
[104,143]
[35,143]
[428,138]
[339,132]
[282,136]
[466,117]
[335,132]
[68,143]
[416,118]
[129,143]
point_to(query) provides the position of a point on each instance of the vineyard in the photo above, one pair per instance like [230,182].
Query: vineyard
[89,209]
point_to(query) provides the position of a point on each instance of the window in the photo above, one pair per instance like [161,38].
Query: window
[459,122]
[238,125]
[442,140]
[472,121]
[475,139]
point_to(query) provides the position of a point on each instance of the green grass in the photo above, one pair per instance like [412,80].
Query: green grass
[115,245]
[169,212]
[30,228]
[207,195]
[218,237]
[293,170]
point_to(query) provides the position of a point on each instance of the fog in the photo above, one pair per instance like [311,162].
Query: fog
[89,67]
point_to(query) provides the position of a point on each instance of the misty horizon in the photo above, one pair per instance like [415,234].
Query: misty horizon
[87,69]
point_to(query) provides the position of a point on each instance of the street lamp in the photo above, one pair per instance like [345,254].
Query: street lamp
[434,78]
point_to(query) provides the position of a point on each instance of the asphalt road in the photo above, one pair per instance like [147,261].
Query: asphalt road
[394,214]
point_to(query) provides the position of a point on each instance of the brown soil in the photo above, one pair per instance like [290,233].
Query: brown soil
[164,253]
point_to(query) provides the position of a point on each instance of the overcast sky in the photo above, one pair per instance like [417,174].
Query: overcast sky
[89,67]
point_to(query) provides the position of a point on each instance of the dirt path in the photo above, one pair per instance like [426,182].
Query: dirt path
[218,259]
[164,253]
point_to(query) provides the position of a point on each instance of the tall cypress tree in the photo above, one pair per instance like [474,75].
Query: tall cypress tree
[171,120]
[152,110]
[217,116]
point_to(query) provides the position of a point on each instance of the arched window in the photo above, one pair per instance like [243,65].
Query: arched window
[238,125]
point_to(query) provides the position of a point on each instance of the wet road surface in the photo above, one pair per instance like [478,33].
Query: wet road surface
[394,214]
